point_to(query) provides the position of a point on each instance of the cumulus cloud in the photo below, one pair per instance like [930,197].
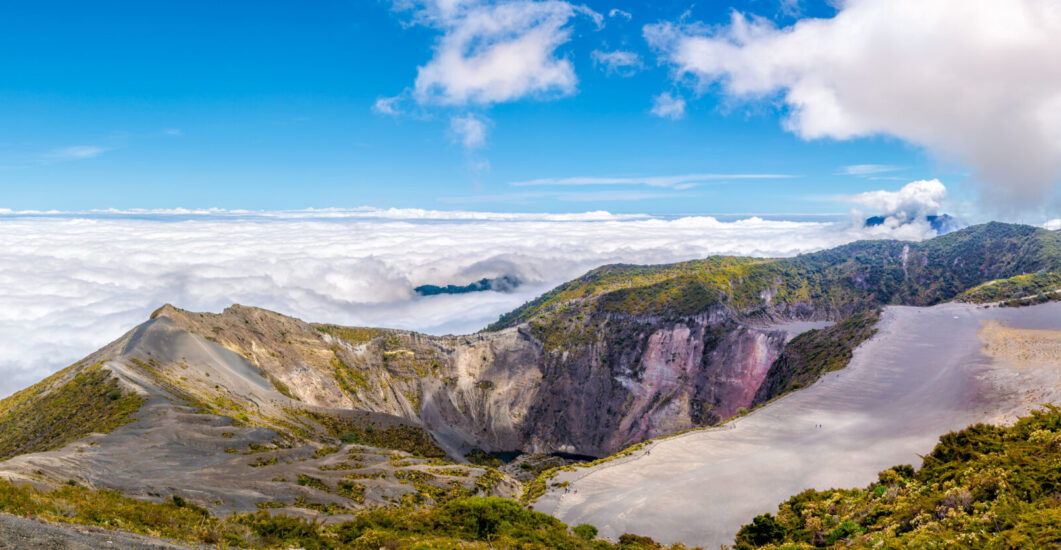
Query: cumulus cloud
[666,105]
[616,12]
[913,201]
[492,52]
[974,81]
[1053,225]
[619,62]
[387,106]
[469,130]
[73,282]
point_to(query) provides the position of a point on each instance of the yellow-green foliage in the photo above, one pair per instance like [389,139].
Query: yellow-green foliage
[281,387]
[354,335]
[611,278]
[471,523]
[400,437]
[983,487]
[483,458]
[47,416]
[351,380]
[309,481]
[843,280]
[1013,288]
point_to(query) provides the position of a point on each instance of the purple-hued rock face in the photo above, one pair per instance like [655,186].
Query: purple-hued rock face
[666,377]
[621,381]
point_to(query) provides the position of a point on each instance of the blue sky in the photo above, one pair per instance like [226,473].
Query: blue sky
[269,105]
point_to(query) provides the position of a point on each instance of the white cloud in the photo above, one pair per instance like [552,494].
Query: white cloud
[867,169]
[973,81]
[666,105]
[387,105]
[616,12]
[1053,225]
[684,181]
[913,201]
[76,152]
[492,52]
[173,132]
[469,130]
[72,283]
[620,62]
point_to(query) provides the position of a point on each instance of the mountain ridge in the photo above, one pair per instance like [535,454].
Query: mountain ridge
[618,356]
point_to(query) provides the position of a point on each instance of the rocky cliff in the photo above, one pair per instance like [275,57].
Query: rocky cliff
[629,379]
[620,355]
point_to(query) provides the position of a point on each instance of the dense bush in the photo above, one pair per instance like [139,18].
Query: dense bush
[983,487]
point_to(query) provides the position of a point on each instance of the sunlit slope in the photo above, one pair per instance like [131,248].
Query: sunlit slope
[840,280]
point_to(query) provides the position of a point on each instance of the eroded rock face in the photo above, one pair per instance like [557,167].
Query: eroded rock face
[630,379]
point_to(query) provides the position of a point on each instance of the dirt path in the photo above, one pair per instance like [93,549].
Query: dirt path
[922,375]
[31,534]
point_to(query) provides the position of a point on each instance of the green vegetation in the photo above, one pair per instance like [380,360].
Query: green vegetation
[471,523]
[399,437]
[480,457]
[351,380]
[1013,288]
[814,353]
[843,280]
[53,413]
[983,487]
[316,483]
[282,387]
[353,335]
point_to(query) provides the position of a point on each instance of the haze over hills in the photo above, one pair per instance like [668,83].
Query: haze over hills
[246,407]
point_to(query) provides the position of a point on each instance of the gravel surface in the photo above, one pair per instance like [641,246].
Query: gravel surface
[32,534]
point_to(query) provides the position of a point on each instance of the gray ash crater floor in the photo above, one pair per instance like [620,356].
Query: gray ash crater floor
[922,375]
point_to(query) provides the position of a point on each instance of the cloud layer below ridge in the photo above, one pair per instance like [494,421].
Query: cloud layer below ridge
[72,283]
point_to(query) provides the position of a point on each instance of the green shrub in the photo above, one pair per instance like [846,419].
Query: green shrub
[982,487]
[585,531]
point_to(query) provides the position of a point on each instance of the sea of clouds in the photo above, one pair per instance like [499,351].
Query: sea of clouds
[71,282]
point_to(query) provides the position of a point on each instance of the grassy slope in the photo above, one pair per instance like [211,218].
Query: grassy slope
[470,523]
[982,487]
[845,279]
[1013,288]
[55,412]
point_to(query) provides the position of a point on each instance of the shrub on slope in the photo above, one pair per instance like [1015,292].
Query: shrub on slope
[62,408]
[1013,288]
[472,523]
[983,487]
